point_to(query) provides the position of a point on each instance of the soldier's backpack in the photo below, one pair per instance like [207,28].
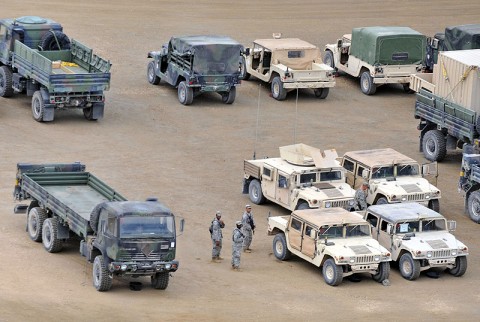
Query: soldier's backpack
[211,228]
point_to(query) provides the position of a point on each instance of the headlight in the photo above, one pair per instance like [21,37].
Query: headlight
[454,253]
[328,204]
[377,258]
[429,254]
[427,196]
[123,267]
[352,260]
[168,266]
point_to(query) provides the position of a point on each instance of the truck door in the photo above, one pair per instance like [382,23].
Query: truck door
[295,233]
[309,242]
[350,173]
[282,190]
[110,233]
[268,181]
[384,238]
[373,221]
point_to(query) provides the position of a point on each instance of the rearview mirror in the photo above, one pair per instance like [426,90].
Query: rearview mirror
[365,174]
[339,43]
[452,225]
[390,229]
[182,226]
[430,169]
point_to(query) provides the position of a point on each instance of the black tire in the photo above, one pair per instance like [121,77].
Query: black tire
[243,69]
[50,236]
[160,280]
[409,267]
[35,219]
[6,89]
[280,249]
[332,273]
[278,92]
[88,114]
[321,93]
[366,84]
[52,40]
[302,205]
[460,266]
[38,106]
[229,97]
[406,88]
[434,145]
[328,59]
[473,206]
[101,279]
[255,192]
[381,201]
[94,216]
[383,272]
[185,93]
[151,75]
[434,204]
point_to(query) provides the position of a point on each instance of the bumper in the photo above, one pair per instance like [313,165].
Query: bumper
[291,85]
[391,80]
[142,268]
[441,262]
[214,88]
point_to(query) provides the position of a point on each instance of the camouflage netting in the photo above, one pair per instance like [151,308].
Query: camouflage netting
[462,37]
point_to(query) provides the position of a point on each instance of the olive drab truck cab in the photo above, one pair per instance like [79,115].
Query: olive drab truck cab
[418,238]
[120,237]
[302,177]
[287,64]
[37,58]
[460,37]
[469,181]
[392,177]
[337,240]
[197,64]
[378,55]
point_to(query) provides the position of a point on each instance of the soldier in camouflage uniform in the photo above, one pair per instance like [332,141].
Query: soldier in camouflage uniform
[217,225]
[237,245]
[248,228]
[361,197]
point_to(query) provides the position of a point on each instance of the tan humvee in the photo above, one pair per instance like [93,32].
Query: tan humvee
[287,64]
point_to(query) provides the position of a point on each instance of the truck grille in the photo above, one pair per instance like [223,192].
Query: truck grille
[441,248]
[416,197]
[441,253]
[364,259]
[141,257]
[341,203]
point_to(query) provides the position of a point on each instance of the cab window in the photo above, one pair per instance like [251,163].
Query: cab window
[348,165]
[308,177]
[372,220]
[282,181]
[296,224]
[111,226]
[384,225]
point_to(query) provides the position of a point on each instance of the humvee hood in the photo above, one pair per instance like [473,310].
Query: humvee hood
[432,240]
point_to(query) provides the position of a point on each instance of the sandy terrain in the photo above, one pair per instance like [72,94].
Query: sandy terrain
[191,158]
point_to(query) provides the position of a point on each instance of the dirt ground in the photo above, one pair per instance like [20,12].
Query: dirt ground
[191,158]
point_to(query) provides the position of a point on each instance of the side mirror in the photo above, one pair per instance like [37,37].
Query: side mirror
[339,43]
[429,169]
[390,229]
[452,225]
[247,51]
[365,174]
[434,43]
[182,226]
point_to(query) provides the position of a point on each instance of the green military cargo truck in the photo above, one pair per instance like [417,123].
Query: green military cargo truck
[120,237]
[36,57]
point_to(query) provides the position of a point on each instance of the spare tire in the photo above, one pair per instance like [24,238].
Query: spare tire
[94,216]
[54,40]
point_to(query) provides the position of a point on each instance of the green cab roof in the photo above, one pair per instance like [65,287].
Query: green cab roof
[183,44]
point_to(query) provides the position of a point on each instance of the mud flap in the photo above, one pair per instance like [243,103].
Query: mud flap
[97,110]
[49,113]
[20,209]
[63,232]
[246,183]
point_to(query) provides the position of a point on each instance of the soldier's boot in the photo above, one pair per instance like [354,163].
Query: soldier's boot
[219,258]
[247,250]
[214,259]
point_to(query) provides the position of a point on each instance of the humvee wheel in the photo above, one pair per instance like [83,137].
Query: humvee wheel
[101,280]
[151,76]
[185,93]
[50,236]
[406,88]
[38,106]
[278,92]
[303,205]
[460,266]
[366,84]
[321,93]
[280,249]
[243,69]
[409,267]
[328,59]
[434,145]
[473,206]
[332,273]
[255,192]
[434,204]
[35,218]
[229,97]
[160,280]
[381,201]
[383,272]
[6,89]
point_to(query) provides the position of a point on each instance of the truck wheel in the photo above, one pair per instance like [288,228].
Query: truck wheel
[160,280]
[49,236]
[6,89]
[54,40]
[151,76]
[407,89]
[332,273]
[460,266]
[185,93]
[35,218]
[328,59]
[101,279]
[255,192]
[409,267]
[229,97]
[88,114]
[473,206]
[383,272]
[280,249]
[366,84]
[302,205]
[434,145]
[243,69]
[38,106]
[381,201]
[94,215]
[321,93]
[278,92]
[434,204]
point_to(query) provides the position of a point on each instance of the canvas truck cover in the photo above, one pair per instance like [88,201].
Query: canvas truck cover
[388,45]
[212,54]
[462,37]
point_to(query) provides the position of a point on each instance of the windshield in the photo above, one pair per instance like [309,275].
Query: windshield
[407,227]
[357,230]
[330,175]
[308,177]
[216,59]
[147,227]
[434,225]
[407,170]
[330,232]
[382,172]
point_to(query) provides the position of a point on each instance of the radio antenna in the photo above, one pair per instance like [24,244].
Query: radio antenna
[296,118]
[258,117]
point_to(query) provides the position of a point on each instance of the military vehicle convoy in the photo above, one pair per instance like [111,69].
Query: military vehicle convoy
[301,178]
[378,55]
[197,64]
[418,239]
[287,64]
[36,57]
[337,240]
[392,177]
[120,237]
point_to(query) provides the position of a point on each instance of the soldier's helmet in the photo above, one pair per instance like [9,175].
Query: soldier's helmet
[239,224]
